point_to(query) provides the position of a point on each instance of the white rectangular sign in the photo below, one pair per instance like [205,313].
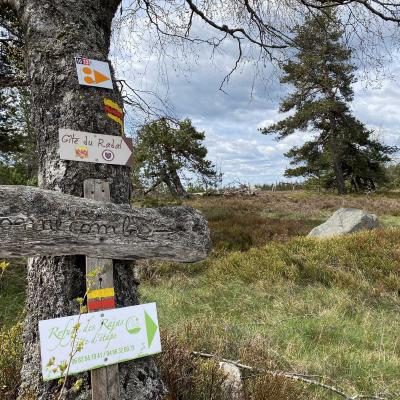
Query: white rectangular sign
[107,337]
[93,73]
[94,147]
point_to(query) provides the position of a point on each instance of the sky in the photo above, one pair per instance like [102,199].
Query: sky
[231,117]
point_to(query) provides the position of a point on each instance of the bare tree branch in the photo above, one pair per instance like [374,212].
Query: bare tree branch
[387,11]
[232,31]
[136,98]
[314,380]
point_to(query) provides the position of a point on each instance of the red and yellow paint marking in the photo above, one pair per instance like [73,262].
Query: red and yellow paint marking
[101,299]
[115,112]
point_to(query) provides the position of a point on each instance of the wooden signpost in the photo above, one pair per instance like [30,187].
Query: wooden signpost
[95,148]
[37,222]
[105,381]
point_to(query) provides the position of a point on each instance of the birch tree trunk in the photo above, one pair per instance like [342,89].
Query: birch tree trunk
[56,32]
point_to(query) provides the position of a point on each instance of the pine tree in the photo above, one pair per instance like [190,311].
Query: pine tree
[322,74]
[163,150]
[18,156]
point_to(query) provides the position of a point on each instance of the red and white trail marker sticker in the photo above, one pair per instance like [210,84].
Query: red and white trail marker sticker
[93,73]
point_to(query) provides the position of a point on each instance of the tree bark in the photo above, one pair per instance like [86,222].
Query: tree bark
[337,166]
[336,155]
[174,184]
[180,190]
[56,32]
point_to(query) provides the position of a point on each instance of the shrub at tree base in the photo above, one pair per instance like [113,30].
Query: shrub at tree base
[10,361]
[190,378]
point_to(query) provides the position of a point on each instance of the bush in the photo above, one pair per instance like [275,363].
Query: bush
[189,378]
[366,262]
[11,346]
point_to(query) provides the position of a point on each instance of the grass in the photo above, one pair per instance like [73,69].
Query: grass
[12,293]
[343,325]
[283,301]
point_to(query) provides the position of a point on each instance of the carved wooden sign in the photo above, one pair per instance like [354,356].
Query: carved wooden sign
[37,222]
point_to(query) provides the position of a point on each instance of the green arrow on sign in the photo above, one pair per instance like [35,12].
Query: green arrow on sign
[151,328]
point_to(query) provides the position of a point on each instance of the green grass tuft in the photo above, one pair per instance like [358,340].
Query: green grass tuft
[12,292]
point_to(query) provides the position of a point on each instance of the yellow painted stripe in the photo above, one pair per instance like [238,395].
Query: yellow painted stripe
[115,118]
[96,294]
[112,104]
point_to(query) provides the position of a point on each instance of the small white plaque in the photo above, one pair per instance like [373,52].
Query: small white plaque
[93,73]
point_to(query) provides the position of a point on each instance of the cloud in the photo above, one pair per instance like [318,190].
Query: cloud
[231,118]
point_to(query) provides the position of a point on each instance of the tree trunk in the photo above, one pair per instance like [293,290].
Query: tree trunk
[336,157]
[56,32]
[340,184]
[172,180]
[178,184]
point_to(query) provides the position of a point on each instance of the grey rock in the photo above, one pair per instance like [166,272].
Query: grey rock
[346,220]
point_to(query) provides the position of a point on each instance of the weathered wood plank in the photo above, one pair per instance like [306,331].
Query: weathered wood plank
[40,222]
[104,381]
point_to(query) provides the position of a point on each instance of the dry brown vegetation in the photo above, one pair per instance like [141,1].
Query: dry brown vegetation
[188,378]
[239,223]
[305,204]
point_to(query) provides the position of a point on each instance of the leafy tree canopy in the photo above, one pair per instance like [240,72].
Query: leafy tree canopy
[164,150]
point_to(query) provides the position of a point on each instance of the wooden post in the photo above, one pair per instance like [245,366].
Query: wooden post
[104,381]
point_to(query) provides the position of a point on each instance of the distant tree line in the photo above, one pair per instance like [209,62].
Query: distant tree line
[281,186]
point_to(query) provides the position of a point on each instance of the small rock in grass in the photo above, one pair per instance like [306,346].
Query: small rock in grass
[346,220]
[233,380]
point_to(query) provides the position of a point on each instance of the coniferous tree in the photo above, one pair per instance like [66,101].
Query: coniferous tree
[18,155]
[342,150]
[163,150]
[18,158]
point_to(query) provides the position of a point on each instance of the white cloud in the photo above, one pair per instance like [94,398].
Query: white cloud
[232,120]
